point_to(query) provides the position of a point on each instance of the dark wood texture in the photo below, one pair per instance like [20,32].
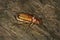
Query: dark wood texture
[48,10]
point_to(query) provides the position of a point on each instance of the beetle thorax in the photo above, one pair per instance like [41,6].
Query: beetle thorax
[33,19]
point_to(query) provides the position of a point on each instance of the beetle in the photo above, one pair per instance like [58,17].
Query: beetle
[28,18]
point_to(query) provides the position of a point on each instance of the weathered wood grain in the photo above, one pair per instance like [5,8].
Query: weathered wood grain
[11,29]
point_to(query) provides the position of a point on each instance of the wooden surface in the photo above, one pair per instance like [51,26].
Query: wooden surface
[48,10]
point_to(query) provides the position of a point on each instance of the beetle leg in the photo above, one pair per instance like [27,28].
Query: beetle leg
[28,29]
[31,24]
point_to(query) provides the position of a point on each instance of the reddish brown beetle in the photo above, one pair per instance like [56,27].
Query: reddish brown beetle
[29,18]
[26,17]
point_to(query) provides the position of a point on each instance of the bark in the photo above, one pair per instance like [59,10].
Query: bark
[48,10]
